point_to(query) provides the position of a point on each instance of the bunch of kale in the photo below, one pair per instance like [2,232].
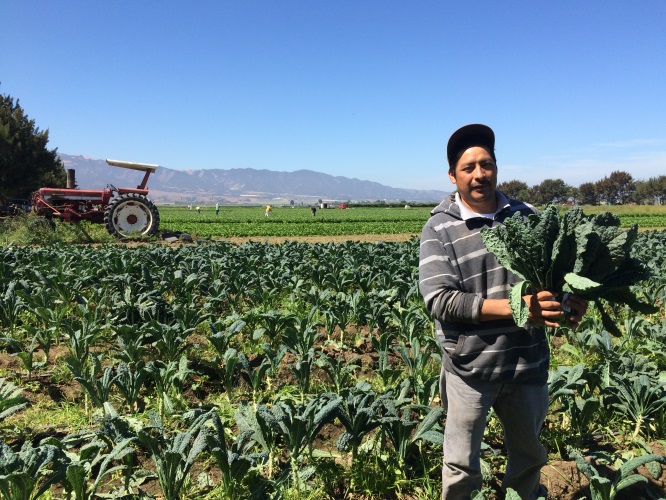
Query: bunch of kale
[570,253]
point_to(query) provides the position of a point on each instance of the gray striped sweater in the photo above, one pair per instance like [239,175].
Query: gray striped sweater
[456,273]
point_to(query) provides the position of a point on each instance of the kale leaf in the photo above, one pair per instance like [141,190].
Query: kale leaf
[589,256]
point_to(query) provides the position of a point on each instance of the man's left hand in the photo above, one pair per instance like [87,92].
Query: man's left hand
[578,306]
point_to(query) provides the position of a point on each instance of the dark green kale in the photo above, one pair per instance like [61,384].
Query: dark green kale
[589,256]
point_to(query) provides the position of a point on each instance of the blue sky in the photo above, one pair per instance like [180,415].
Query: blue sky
[367,89]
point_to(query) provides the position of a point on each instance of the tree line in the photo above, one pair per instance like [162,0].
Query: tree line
[615,189]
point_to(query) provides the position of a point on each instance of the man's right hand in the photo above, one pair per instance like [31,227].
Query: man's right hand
[544,308]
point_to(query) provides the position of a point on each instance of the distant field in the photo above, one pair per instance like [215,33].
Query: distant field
[236,221]
[298,221]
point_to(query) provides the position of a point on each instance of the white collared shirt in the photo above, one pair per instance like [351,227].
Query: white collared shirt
[466,213]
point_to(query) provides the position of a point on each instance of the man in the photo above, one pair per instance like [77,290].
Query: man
[487,360]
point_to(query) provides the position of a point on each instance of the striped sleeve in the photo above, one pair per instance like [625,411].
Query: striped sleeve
[439,282]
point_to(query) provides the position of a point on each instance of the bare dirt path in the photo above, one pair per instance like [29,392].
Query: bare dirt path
[363,238]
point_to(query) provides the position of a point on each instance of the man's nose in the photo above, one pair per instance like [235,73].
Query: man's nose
[479,172]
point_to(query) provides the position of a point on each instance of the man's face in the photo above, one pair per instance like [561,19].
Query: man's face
[475,177]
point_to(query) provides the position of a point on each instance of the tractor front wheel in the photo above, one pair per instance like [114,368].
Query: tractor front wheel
[131,215]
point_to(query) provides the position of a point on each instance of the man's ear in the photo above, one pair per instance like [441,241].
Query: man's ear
[452,176]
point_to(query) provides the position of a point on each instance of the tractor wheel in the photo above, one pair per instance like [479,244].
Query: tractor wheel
[131,215]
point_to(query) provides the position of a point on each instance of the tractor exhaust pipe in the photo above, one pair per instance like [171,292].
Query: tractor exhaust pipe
[71,178]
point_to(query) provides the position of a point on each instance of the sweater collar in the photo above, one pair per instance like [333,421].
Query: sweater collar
[466,213]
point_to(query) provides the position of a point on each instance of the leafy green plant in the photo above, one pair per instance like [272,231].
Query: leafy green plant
[603,488]
[406,432]
[511,494]
[11,307]
[94,462]
[301,369]
[221,334]
[639,399]
[569,386]
[339,370]
[255,374]
[410,321]
[299,425]
[27,357]
[233,461]
[169,379]
[95,382]
[301,335]
[361,413]
[272,325]
[337,312]
[262,423]
[169,340]
[44,338]
[173,453]
[383,343]
[83,335]
[130,379]
[274,357]
[11,400]
[28,473]
[132,344]
[231,369]
[379,310]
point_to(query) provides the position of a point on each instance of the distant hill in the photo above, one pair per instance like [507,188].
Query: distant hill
[241,185]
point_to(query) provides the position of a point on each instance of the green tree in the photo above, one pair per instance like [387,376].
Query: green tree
[624,185]
[550,190]
[517,190]
[658,185]
[26,164]
[587,194]
[643,194]
[616,188]
[651,191]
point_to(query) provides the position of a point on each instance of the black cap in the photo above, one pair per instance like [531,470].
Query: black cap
[468,136]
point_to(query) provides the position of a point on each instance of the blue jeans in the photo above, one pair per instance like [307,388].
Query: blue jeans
[521,409]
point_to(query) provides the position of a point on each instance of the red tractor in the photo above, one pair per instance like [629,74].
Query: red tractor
[124,211]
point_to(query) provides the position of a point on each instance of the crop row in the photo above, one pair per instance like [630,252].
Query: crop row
[284,228]
[289,370]
[286,221]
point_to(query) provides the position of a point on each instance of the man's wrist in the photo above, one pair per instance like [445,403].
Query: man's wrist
[492,309]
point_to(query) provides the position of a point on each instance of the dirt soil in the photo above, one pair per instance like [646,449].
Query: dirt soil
[274,240]
[363,238]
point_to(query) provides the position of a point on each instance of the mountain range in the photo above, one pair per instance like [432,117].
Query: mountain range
[241,185]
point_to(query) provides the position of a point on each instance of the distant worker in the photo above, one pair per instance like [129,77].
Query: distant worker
[217,209]
[268,210]
[314,210]
[199,210]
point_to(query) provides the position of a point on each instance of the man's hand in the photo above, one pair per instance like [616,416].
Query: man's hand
[578,307]
[544,308]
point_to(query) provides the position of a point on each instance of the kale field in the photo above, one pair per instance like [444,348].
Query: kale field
[291,370]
